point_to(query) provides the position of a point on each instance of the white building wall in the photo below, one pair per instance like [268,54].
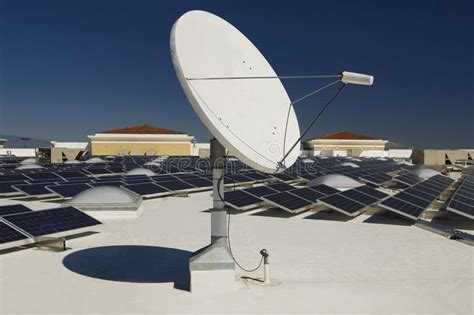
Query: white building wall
[19,152]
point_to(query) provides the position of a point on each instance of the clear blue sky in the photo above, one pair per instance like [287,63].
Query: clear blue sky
[70,68]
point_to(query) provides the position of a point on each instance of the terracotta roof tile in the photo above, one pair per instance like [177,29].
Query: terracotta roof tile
[142,129]
[345,135]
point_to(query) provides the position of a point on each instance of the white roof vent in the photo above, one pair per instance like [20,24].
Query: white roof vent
[335,181]
[140,171]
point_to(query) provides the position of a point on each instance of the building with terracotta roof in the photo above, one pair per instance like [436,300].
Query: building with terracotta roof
[345,143]
[141,140]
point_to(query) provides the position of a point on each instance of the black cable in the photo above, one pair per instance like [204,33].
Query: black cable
[311,124]
[228,230]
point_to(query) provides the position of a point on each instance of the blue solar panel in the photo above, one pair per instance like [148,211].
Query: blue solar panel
[68,190]
[13,209]
[7,187]
[324,189]
[45,176]
[402,207]
[343,204]
[44,222]
[11,178]
[281,187]
[260,191]
[284,177]
[371,192]
[287,201]
[104,183]
[408,179]
[175,185]
[307,193]
[146,188]
[359,197]
[35,189]
[239,199]
[256,176]
[9,234]
[198,182]
[69,175]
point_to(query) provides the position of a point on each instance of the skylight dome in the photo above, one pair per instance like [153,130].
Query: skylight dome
[106,198]
[140,171]
[335,181]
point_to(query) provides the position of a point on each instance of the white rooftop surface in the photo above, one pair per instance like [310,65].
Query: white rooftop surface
[317,265]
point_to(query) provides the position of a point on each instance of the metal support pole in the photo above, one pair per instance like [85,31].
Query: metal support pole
[218,212]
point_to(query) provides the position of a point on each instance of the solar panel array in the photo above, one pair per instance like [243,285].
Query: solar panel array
[462,202]
[413,201]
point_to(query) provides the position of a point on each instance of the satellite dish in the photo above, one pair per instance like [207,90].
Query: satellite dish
[252,119]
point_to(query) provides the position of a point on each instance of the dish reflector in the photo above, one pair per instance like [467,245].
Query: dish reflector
[253,119]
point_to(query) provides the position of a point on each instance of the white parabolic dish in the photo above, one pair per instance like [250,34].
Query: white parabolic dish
[252,118]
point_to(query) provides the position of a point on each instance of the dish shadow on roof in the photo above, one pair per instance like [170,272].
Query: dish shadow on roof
[142,129]
[126,263]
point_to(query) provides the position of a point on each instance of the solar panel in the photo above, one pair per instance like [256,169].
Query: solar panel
[281,187]
[237,178]
[284,177]
[422,203]
[13,177]
[462,202]
[104,183]
[359,197]
[287,201]
[307,193]
[198,182]
[376,179]
[7,187]
[97,171]
[324,189]
[241,200]
[371,192]
[44,222]
[423,194]
[44,176]
[69,175]
[9,234]
[35,189]
[260,191]
[342,204]
[402,207]
[68,190]
[13,209]
[175,185]
[461,208]
[256,176]
[408,179]
[146,188]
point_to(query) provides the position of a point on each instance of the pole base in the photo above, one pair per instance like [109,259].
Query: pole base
[212,269]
